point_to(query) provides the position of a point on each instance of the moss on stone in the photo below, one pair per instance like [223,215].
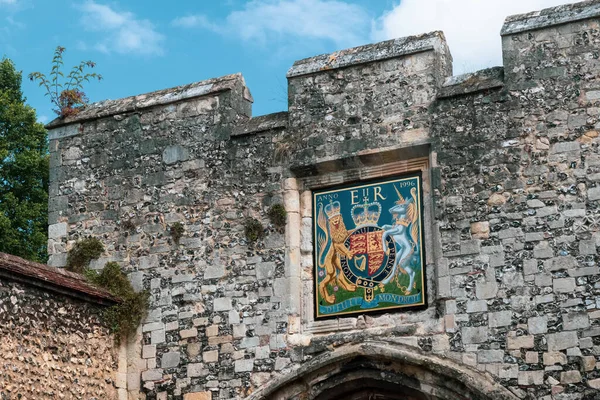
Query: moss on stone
[82,253]
[176,230]
[277,215]
[253,229]
[123,318]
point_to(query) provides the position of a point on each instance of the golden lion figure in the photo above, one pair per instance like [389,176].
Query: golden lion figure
[331,263]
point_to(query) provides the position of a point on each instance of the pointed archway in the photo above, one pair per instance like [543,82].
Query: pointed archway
[380,370]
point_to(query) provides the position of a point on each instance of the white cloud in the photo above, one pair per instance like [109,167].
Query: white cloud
[13,22]
[265,21]
[123,32]
[8,2]
[472,27]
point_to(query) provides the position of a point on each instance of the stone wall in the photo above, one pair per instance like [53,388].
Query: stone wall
[52,345]
[509,156]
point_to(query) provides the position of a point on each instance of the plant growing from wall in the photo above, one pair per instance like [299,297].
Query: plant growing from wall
[253,229]
[82,253]
[128,225]
[176,230]
[123,318]
[66,94]
[277,215]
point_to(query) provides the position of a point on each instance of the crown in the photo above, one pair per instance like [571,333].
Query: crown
[332,209]
[366,214]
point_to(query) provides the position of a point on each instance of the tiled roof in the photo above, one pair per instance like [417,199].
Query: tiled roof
[53,279]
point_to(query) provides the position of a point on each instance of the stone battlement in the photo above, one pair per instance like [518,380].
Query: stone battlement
[508,171]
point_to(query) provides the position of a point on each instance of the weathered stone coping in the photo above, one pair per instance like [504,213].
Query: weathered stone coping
[361,161]
[485,79]
[369,53]
[160,97]
[262,123]
[52,279]
[476,381]
[551,16]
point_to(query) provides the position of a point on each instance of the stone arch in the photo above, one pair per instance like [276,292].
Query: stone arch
[380,370]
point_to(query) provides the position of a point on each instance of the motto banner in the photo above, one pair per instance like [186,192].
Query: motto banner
[368,247]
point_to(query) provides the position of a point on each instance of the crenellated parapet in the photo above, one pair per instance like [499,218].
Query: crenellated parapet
[508,167]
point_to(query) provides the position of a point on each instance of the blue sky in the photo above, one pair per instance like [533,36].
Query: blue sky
[141,46]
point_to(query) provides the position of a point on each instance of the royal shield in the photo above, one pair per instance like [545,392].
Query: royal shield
[368,251]
[370,264]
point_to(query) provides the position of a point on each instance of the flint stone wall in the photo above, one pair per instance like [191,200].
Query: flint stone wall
[53,346]
[511,164]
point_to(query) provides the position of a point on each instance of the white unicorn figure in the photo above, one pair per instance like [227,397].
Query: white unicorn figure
[405,215]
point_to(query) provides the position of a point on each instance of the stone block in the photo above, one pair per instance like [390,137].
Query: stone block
[265,270]
[196,369]
[249,342]
[543,250]
[519,342]
[480,230]
[486,290]
[594,193]
[530,267]
[475,306]
[508,371]
[170,360]
[469,247]
[149,351]
[562,340]
[239,331]
[214,271]
[172,326]
[594,383]
[212,330]
[222,304]
[137,280]
[532,357]
[262,352]
[188,333]
[529,378]
[210,356]
[500,318]
[588,363]
[193,349]
[233,317]
[490,356]
[510,233]
[281,363]
[152,375]
[587,247]
[564,285]
[563,147]
[574,321]
[560,263]
[537,325]
[173,154]
[57,231]
[153,326]
[534,236]
[474,335]
[568,377]
[198,396]
[244,365]
[157,336]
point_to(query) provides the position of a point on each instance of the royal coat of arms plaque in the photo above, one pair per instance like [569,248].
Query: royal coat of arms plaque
[368,247]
